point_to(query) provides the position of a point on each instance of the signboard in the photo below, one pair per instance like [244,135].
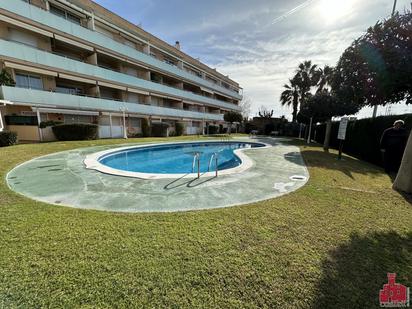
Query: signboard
[342,128]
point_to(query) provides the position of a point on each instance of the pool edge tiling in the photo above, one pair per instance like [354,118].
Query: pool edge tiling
[93,161]
[62,179]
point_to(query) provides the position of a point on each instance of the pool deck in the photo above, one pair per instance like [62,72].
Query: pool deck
[62,179]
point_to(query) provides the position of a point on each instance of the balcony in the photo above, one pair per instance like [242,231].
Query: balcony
[46,18]
[21,52]
[39,98]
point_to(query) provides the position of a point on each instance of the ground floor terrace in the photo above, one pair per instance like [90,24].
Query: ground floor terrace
[328,244]
[25,120]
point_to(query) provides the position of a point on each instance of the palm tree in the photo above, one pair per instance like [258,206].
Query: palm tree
[290,96]
[325,78]
[307,76]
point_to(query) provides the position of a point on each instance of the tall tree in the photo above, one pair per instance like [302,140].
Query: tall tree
[376,70]
[232,117]
[290,97]
[307,76]
[246,106]
[265,113]
[326,75]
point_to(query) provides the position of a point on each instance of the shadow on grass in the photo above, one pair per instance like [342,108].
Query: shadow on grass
[354,273]
[328,160]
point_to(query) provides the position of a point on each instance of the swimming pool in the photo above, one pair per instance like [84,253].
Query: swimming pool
[172,159]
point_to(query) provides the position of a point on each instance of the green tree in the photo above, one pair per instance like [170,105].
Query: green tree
[6,79]
[290,97]
[376,70]
[322,107]
[306,78]
[232,117]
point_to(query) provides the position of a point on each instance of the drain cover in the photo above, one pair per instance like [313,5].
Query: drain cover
[298,178]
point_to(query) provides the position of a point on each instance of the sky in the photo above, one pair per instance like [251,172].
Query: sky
[260,43]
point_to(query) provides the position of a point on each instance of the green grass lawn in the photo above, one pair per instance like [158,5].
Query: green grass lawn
[327,245]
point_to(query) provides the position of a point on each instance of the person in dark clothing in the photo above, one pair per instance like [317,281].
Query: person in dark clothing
[393,143]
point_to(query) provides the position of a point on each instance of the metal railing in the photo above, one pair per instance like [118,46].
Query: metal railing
[216,157]
[196,159]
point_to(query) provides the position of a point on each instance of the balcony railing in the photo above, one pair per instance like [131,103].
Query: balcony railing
[55,62]
[46,18]
[39,98]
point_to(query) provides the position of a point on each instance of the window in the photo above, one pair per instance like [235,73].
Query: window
[64,14]
[29,81]
[169,61]
[134,122]
[68,119]
[69,90]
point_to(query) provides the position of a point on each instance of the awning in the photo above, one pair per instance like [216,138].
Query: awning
[138,91]
[65,111]
[72,42]
[206,90]
[29,69]
[25,26]
[78,79]
[6,102]
[104,84]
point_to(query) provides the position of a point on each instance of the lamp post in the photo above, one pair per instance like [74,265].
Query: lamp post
[124,109]
[375,108]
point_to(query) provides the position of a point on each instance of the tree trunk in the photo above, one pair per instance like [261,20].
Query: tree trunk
[327,135]
[229,129]
[403,181]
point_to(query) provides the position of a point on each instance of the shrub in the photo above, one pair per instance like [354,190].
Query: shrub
[270,127]
[8,138]
[363,136]
[213,129]
[145,128]
[50,123]
[75,132]
[160,129]
[179,129]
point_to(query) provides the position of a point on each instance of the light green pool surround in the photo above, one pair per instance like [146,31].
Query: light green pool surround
[62,179]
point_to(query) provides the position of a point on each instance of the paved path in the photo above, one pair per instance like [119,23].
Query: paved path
[62,179]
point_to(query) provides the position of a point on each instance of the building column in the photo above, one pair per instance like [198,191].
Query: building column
[111,125]
[146,49]
[1,122]
[38,124]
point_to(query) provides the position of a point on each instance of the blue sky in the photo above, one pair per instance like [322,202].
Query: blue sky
[259,43]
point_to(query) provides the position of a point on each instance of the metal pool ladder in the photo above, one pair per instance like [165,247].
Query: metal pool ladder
[196,159]
[214,156]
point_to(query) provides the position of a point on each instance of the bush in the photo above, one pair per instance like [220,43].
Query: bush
[145,128]
[160,129]
[213,129]
[8,138]
[50,123]
[179,129]
[363,136]
[269,128]
[75,132]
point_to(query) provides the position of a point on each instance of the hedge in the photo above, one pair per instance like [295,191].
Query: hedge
[145,128]
[213,129]
[363,136]
[49,123]
[8,138]
[160,129]
[75,132]
[179,129]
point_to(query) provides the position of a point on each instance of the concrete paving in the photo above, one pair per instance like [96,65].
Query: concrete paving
[62,179]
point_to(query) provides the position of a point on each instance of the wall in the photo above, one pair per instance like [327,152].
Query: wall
[25,133]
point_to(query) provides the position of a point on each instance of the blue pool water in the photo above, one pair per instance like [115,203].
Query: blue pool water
[176,158]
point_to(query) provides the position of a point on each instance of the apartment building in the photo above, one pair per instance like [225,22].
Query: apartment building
[73,61]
